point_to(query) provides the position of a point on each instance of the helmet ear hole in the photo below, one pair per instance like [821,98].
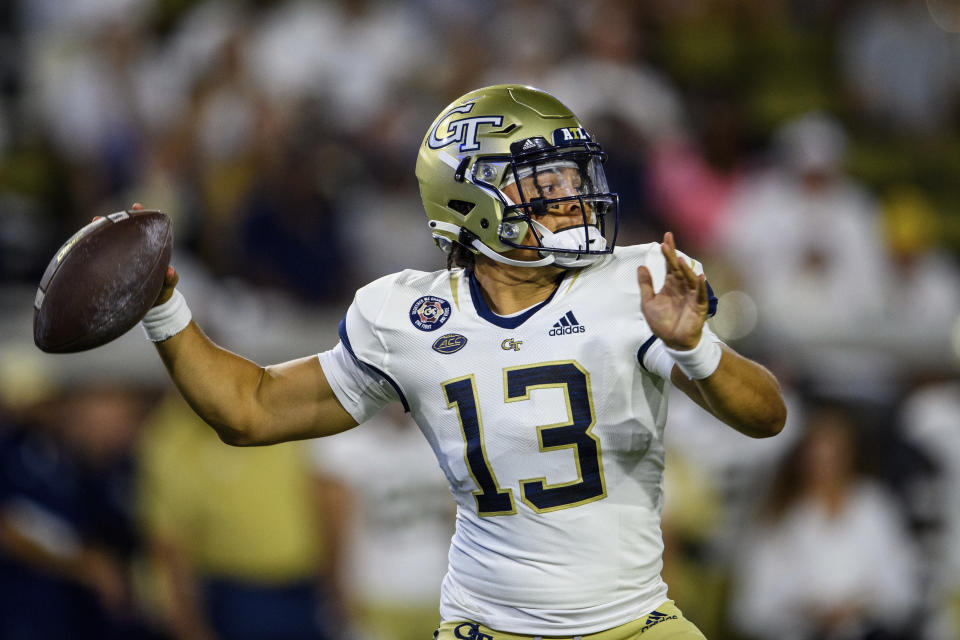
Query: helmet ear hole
[461,206]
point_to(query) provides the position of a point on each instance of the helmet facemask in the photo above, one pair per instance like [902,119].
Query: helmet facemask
[537,180]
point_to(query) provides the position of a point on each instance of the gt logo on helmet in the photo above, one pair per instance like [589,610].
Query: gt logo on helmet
[463,130]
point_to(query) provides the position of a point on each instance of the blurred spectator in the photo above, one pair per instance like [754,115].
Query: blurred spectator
[711,480]
[693,178]
[237,535]
[806,239]
[923,299]
[929,419]
[290,232]
[829,557]
[631,104]
[607,74]
[398,524]
[392,241]
[67,535]
[85,87]
[726,464]
[901,64]
[352,56]
[529,59]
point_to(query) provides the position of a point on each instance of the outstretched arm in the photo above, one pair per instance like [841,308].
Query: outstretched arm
[248,404]
[740,392]
[245,403]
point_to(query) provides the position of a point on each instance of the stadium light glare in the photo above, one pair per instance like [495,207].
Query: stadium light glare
[736,317]
[945,14]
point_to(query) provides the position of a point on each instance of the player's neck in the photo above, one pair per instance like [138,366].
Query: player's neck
[508,289]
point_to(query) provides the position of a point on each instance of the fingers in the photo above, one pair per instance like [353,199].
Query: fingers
[669,251]
[646,284]
[702,290]
[170,280]
[675,265]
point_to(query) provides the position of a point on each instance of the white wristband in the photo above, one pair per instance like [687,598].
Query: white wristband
[168,319]
[701,361]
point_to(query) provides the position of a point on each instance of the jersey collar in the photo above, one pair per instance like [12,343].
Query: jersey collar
[511,322]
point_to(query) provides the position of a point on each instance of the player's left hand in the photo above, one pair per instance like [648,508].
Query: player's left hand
[676,314]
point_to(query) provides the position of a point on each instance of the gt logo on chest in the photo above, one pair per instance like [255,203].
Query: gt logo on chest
[510,344]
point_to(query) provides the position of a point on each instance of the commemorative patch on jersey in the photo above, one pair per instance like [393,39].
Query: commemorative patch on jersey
[449,343]
[429,313]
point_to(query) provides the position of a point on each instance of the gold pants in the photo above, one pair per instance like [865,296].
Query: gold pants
[666,622]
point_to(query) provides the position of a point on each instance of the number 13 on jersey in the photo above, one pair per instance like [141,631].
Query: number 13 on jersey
[574,434]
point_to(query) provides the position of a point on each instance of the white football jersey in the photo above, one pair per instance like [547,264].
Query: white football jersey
[549,430]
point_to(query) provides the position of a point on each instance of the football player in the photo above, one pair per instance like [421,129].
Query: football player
[537,366]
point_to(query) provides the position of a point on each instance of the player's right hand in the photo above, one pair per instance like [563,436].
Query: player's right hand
[170,279]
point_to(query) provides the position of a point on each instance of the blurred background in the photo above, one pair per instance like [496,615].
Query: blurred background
[806,151]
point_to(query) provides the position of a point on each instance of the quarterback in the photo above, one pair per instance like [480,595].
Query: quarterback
[537,365]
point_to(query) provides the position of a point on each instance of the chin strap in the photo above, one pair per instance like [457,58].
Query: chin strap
[487,251]
[572,239]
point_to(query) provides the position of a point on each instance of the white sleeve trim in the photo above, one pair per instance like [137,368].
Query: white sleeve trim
[361,392]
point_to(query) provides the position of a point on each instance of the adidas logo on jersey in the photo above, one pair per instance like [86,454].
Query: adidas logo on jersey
[566,325]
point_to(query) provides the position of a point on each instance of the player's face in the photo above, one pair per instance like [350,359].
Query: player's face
[560,182]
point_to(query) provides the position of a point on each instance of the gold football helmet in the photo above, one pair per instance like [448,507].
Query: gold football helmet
[498,158]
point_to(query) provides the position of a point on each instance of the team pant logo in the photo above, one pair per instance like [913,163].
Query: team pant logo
[470,631]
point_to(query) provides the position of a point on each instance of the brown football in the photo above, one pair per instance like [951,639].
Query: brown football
[102,281]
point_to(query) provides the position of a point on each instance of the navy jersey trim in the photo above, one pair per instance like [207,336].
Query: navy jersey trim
[711,301]
[512,322]
[642,351]
[345,340]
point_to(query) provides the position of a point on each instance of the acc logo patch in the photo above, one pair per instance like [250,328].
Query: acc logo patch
[450,343]
[429,313]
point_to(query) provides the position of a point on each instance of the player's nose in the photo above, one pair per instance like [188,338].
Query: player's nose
[575,209]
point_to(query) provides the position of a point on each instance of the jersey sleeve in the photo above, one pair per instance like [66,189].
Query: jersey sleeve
[361,336]
[360,390]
